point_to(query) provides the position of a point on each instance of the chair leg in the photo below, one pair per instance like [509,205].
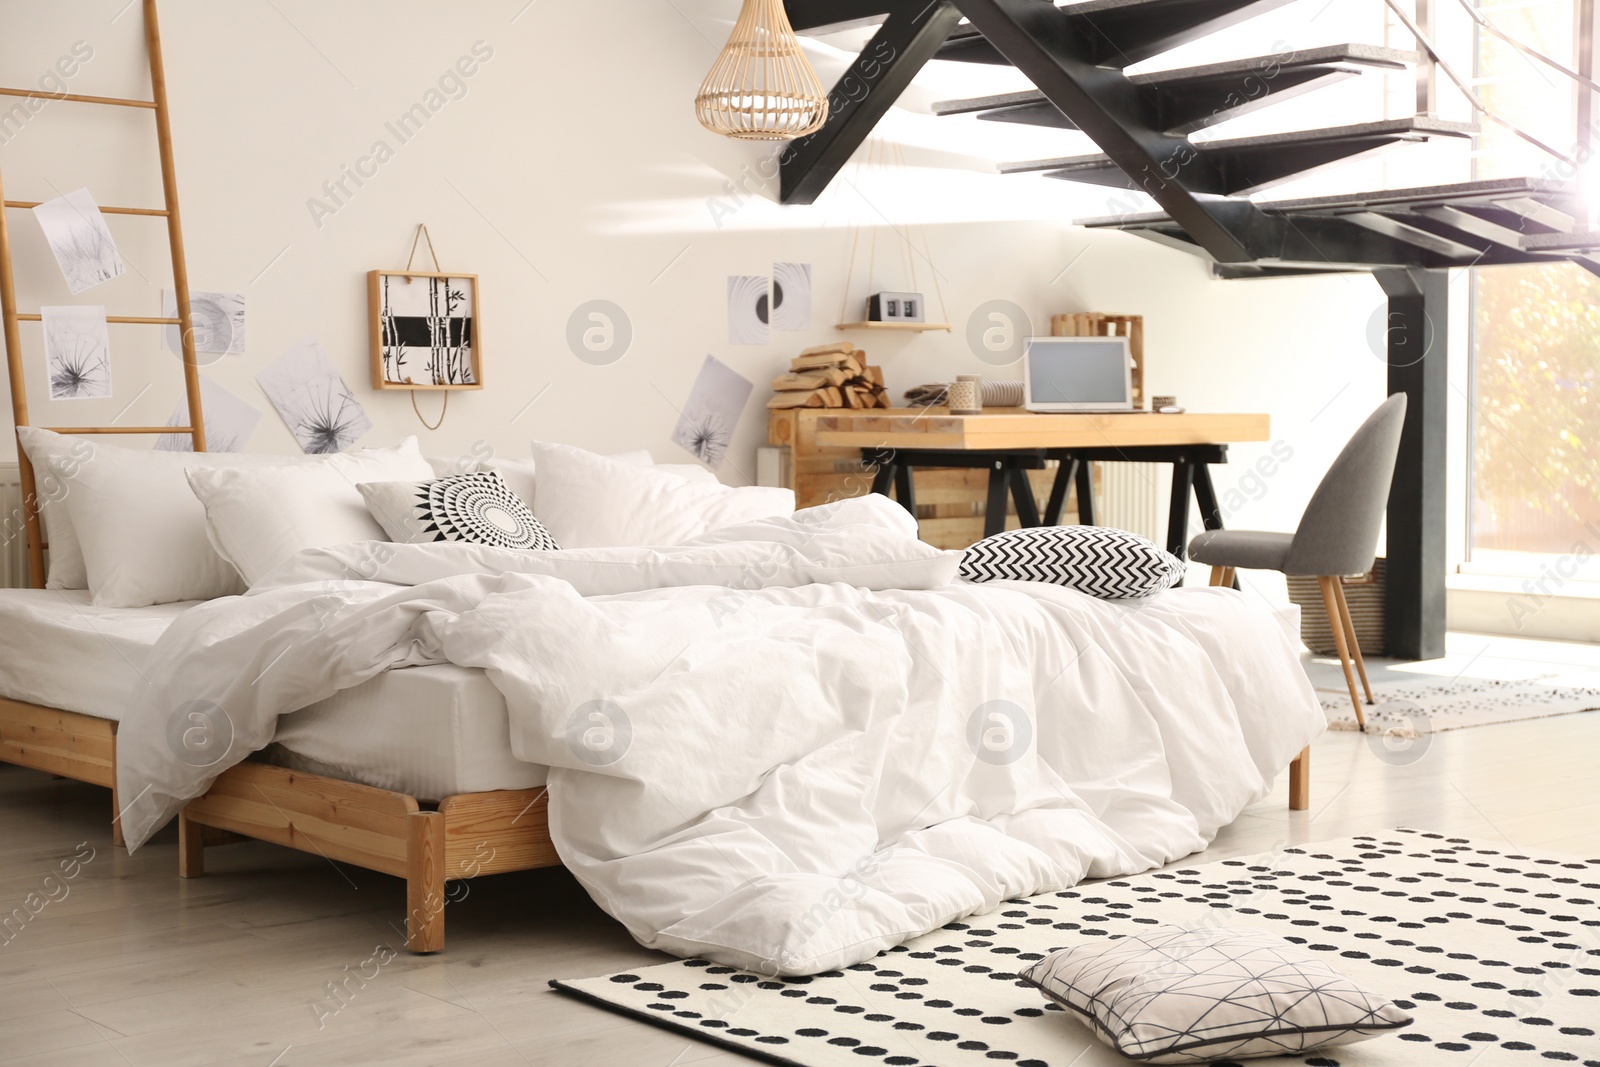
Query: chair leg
[1300,781]
[1350,637]
[1222,576]
[1330,602]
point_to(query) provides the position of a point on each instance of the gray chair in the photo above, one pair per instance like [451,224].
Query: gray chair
[1337,536]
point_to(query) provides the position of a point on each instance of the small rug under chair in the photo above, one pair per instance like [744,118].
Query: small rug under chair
[1494,951]
[1408,709]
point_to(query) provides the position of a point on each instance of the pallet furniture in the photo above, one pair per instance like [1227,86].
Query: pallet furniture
[461,837]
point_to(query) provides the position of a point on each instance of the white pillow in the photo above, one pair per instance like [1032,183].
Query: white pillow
[518,473]
[67,569]
[689,472]
[258,518]
[140,533]
[590,501]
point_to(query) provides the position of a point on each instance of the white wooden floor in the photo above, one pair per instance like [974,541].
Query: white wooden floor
[130,966]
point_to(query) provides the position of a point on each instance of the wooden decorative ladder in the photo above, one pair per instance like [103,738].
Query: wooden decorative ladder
[180,279]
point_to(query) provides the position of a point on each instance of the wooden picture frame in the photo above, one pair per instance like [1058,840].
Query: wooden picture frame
[425,350]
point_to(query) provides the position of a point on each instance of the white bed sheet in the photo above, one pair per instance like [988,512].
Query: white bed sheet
[427,731]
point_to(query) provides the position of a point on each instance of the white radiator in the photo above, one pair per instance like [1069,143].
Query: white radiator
[13,536]
[1132,496]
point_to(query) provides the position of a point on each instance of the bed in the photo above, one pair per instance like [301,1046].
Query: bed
[408,774]
[735,743]
[784,746]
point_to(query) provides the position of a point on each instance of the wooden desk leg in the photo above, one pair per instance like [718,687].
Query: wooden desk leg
[905,488]
[1022,493]
[1058,492]
[994,510]
[1300,781]
[1178,514]
[1085,477]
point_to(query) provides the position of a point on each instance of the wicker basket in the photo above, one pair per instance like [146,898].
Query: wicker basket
[1366,600]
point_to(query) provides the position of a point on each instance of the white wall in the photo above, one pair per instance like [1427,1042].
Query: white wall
[572,169]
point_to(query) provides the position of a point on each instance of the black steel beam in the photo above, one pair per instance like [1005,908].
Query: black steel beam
[811,15]
[1043,42]
[1123,32]
[1417,332]
[905,42]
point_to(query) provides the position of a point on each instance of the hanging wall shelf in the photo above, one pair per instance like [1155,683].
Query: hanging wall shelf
[911,327]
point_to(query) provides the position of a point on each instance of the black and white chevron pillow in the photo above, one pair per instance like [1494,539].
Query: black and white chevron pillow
[1098,560]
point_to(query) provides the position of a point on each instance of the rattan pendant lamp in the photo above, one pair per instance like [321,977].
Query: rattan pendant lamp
[761,87]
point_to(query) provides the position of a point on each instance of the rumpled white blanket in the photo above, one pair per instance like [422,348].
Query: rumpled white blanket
[786,746]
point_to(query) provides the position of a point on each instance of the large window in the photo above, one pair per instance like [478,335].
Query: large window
[1536,329]
[1536,413]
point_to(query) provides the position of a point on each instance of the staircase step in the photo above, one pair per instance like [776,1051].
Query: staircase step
[1123,32]
[1248,164]
[1495,221]
[1192,98]
[1587,240]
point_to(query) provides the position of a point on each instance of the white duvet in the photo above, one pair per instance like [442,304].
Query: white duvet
[785,746]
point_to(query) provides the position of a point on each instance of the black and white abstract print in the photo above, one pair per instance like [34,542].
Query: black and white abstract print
[77,350]
[1494,951]
[427,330]
[749,309]
[313,400]
[79,238]
[791,296]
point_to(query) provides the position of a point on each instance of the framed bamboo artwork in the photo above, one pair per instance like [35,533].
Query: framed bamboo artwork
[426,330]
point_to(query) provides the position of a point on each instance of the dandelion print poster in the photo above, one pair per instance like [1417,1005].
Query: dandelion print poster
[711,413]
[313,400]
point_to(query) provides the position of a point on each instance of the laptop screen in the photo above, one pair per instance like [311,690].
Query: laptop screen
[1078,370]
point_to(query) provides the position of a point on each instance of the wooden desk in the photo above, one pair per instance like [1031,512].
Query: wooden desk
[1007,428]
[1009,443]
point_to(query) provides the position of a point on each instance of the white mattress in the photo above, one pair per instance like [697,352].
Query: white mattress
[427,731]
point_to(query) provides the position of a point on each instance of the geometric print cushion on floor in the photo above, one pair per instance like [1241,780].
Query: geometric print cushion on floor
[1097,560]
[1175,995]
[1494,951]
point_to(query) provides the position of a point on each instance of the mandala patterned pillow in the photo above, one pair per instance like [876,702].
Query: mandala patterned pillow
[1098,560]
[479,508]
[1176,995]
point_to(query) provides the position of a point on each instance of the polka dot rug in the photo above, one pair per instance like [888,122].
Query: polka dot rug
[1416,709]
[1495,951]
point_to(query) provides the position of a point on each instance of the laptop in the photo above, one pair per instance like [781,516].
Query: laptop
[1077,374]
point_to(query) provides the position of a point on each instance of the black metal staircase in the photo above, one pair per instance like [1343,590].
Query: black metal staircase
[1075,55]
[1183,101]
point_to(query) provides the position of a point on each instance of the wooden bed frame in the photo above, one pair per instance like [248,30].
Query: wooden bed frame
[64,743]
[465,836]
